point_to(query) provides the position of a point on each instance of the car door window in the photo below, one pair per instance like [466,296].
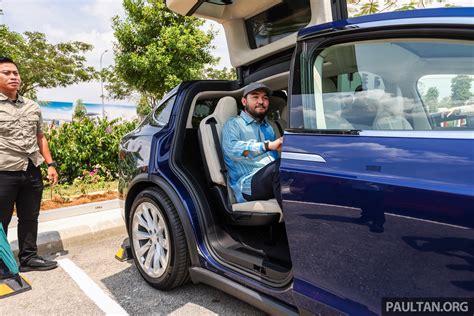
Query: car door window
[375,85]
[162,113]
[449,100]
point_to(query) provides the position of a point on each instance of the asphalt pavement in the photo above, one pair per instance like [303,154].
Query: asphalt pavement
[90,281]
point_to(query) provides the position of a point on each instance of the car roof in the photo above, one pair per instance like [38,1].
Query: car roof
[409,17]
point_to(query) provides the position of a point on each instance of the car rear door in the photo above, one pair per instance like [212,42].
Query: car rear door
[378,188]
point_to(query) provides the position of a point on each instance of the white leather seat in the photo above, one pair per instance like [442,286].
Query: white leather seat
[332,106]
[225,109]
[390,114]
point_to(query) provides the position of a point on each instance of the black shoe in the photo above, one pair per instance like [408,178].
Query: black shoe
[376,228]
[362,220]
[38,264]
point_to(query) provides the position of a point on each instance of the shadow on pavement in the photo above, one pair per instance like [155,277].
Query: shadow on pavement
[138,297]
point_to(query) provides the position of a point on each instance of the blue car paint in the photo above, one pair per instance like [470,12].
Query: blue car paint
[394,18]
[413,181]
[420,188]
[437,195]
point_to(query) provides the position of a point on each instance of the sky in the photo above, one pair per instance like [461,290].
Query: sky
[90,21]
[80,20]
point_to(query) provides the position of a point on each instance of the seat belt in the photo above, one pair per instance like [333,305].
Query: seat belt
[223,169]
[276,128]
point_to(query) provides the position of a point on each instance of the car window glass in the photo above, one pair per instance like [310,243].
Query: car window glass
[375,85]
[449,99]
[279,21]
[162,113]
[202,109]
[358,8]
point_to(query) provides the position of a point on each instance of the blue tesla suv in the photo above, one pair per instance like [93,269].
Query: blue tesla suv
[377,166]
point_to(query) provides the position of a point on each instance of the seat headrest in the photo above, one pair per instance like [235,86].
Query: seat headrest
[225,109]
[328,85]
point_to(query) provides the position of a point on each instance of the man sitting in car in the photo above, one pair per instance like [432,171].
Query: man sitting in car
[251,148]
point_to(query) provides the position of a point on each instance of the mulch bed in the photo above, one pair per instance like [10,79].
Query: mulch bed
[58,201]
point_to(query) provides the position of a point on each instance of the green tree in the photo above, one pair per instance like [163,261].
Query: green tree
[45,65]
[361,7]
[431,99]
[461,88]
[220,74]
[156,49]
[144,106]
[80,110]
[78,146]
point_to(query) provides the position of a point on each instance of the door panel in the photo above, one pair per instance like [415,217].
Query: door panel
[418,191]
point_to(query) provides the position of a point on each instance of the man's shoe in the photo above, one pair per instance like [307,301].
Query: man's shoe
[376,228]
[364,219]
[38,264]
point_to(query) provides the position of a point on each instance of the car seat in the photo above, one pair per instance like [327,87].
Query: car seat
[254,213]
[390,114]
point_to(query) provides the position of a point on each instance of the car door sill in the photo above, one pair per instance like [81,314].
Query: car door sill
[259,300]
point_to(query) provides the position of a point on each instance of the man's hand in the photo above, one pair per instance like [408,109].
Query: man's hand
[276,144]
[52,175]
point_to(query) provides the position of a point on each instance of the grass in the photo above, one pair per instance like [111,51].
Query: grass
[68,190]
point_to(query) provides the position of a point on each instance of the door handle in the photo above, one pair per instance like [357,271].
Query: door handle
[305,157]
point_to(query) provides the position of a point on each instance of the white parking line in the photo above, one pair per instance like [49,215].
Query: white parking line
[92,290]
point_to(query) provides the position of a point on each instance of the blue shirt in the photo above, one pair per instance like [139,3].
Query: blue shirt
[243,133]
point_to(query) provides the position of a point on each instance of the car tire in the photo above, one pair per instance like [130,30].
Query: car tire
[158,241]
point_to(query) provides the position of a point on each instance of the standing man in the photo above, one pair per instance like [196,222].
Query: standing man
[251,149]
[23,148]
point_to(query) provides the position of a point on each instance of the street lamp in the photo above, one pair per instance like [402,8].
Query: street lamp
[102,82]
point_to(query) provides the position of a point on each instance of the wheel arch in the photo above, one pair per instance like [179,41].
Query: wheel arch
[144,182]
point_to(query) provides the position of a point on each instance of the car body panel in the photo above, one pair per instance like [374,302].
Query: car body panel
[428,210]
[417,185]
[425,249]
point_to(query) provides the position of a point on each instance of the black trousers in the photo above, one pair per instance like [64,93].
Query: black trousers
[23,189]
[266,183]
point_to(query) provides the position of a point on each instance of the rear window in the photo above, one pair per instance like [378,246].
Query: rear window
[278,22]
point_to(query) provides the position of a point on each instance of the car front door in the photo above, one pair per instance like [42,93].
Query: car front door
[377,171]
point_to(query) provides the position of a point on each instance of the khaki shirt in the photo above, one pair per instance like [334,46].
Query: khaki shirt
[20,123]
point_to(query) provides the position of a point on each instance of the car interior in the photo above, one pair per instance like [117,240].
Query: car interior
[374,85]
[250,235]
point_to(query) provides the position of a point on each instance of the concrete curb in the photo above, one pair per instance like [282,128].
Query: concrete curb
[57,235]
[58,213]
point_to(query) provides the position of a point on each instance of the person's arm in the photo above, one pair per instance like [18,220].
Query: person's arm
[44,150]
[236,148]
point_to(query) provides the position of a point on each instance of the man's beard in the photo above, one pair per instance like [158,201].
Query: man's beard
[256,115]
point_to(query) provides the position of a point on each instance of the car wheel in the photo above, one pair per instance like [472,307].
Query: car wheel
[158,241]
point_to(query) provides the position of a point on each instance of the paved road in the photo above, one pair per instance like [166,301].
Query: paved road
[55,292]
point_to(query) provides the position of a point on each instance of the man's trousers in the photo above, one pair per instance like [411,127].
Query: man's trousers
[23,189]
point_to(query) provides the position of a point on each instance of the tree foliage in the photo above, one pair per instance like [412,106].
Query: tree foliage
[220,74]
[431,99]
[156,49]
[45,65]
[80,145]
[144,106]
[80,110]
[461,88]
[364,7]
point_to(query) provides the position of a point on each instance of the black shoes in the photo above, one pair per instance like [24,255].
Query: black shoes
[38,264]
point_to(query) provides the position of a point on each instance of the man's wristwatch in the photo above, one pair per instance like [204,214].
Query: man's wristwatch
[267,145]
[53,164]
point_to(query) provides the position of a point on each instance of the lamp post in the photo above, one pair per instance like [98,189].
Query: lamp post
[102,83]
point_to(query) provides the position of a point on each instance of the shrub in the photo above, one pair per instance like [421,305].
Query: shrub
[80,146]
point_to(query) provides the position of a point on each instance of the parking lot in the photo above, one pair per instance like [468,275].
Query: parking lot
[59,291]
